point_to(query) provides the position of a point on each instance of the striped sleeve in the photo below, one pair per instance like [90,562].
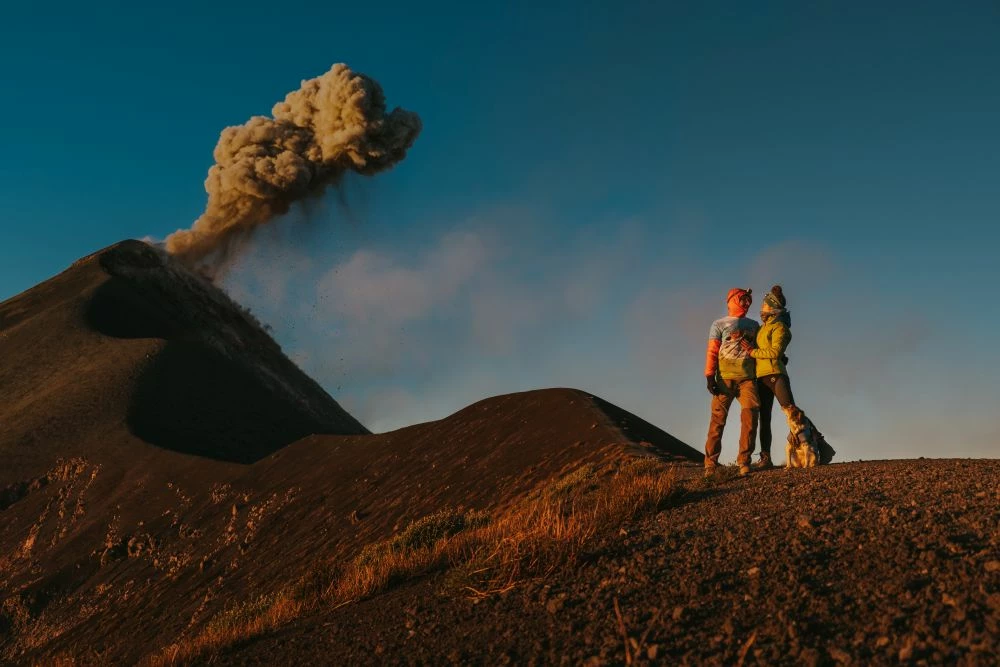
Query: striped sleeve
[712,351]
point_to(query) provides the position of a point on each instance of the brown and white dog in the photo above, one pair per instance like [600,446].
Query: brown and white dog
[800,450]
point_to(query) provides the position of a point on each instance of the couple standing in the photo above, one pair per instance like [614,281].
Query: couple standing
[746,361]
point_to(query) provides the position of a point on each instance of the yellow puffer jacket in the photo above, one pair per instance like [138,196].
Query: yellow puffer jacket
[772,339]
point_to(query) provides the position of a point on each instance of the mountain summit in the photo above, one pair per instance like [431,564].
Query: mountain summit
[127,352]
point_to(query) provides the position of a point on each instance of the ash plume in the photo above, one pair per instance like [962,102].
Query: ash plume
[333,124]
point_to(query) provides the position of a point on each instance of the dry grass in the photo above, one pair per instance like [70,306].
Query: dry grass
[550,528]
[232,626]
[545,531]
[422,547]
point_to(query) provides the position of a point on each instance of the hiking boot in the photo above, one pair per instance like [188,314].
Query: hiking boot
[744,470]
[711,470]
[764,463]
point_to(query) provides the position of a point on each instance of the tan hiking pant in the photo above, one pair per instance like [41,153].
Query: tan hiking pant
[746,392]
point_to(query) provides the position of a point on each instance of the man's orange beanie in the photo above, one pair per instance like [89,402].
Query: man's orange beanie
[738,292]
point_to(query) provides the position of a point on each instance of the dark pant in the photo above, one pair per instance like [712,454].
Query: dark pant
[745,391]
[770,387]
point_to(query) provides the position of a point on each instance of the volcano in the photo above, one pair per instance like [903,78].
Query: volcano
[164,459]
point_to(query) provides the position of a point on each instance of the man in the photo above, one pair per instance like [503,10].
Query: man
[730,374]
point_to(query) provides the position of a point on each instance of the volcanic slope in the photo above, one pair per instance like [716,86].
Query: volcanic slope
[126,347]
[873,563]
[164,461]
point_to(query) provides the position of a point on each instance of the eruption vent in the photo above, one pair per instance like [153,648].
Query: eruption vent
[333,124]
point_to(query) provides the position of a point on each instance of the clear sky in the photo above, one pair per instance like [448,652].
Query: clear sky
[591,179]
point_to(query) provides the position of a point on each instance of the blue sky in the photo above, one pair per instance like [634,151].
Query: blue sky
[590,181]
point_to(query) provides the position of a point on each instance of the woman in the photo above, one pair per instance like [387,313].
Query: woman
[772,379]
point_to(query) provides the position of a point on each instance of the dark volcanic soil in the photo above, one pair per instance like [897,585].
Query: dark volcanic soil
[866,563]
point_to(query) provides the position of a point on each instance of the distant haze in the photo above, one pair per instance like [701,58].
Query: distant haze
[401,335]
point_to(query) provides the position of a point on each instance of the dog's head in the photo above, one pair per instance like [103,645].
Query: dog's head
[797,421]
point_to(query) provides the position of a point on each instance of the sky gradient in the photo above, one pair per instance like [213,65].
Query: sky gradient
[590,181]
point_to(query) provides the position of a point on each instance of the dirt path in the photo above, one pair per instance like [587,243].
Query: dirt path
[865,563]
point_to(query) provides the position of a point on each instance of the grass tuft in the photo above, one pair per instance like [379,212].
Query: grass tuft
[424,533]
[236,624]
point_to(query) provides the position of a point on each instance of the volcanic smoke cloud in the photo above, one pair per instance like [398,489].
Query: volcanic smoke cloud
[333,124]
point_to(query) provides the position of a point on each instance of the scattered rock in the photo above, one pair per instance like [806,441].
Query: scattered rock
[555,604]
[906,652]
[810,656]
[840,656]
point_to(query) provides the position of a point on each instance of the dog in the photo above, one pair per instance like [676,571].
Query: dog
[801,450]
[819,444]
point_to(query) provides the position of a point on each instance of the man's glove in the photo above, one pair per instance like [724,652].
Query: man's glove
[713,386]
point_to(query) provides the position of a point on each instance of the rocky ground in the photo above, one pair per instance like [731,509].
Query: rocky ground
[866,563]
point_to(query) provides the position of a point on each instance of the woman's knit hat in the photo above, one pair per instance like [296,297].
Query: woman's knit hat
[773,300]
